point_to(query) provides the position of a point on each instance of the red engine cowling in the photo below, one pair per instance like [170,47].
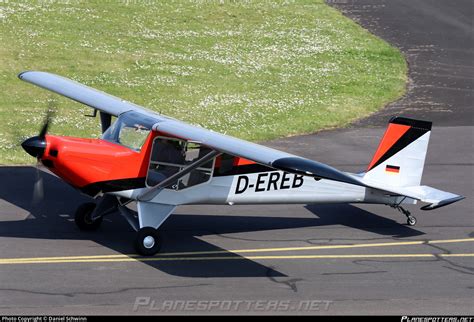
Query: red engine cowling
[96,165]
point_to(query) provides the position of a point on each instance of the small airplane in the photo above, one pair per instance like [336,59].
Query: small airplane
[161,163]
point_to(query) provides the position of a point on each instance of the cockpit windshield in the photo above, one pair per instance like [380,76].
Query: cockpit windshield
[130,129]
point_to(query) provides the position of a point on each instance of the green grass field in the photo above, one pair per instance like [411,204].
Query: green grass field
[255,70]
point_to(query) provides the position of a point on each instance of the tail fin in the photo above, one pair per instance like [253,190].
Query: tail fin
[398,163]
[400,158]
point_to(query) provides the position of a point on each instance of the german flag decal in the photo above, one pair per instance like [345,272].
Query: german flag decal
[392,169]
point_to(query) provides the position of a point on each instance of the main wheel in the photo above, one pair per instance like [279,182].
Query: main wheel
[148,241]
[83,217]
[411,221]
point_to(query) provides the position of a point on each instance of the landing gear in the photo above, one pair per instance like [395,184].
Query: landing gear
[146,221]
[89,215]
[84,219]
[411,220]
[148,241]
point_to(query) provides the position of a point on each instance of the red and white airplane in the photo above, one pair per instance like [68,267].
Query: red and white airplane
[160,163]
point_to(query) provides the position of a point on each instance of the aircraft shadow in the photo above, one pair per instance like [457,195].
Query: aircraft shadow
[53,219]
[357,218]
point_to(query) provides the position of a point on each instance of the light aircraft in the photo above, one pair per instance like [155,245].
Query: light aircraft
[161,163]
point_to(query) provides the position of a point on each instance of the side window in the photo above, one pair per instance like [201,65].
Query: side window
[170,155]
[226,165]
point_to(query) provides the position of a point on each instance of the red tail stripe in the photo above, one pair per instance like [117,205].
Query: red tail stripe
[393,133]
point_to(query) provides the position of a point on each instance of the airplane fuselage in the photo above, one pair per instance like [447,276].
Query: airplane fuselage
[270,187]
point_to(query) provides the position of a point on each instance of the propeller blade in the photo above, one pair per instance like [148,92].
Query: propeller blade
[35,146]
[38,187]
[47,120]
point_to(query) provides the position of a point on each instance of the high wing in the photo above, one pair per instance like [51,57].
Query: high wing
[80,93]
[223,143]
[255,152]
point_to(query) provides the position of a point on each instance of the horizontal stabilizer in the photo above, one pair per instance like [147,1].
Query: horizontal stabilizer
[434,197]
[442,203]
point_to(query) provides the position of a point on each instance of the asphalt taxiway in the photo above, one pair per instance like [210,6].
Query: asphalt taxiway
[349,259]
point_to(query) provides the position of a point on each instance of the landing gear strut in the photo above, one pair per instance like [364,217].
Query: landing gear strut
[89,215]
[147,220]
[83,217]
[411,220]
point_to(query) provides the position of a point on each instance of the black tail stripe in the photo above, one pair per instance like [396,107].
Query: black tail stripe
[424,125]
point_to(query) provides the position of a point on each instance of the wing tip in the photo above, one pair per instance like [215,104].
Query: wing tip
[36,72]
[20,75]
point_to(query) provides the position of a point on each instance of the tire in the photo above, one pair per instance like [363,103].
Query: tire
[411,221]
[82,217]
[148,241]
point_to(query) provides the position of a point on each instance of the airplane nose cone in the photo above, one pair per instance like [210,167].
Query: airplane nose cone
[35,146]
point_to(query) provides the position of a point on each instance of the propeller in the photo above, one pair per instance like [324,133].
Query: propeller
[35,146]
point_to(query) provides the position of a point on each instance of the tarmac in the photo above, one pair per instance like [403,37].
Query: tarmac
[278,259]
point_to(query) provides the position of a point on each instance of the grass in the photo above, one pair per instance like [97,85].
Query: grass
[255,70]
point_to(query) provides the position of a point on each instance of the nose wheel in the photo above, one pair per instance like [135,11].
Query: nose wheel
[148,241]
[83,217]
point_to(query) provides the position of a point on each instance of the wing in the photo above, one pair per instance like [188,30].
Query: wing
[255,152]
[80,93]
[223,143]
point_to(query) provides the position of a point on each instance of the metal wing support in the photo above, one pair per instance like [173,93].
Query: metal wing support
[150,193]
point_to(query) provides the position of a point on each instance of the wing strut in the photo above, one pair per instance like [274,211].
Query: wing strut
[155,190]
